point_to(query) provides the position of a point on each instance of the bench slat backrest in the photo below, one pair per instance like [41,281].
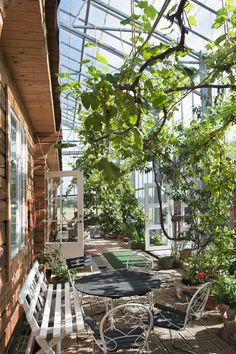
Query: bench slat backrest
[52,311]
[68,314]
[30,283]
[78,311]
[35,299]
[57,313]
[46,314]
[31,295]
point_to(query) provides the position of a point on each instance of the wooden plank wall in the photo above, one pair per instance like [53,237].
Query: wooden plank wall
[40,188]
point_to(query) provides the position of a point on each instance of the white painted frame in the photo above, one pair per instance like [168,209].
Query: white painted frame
[21,157]
[71,249]
[169,205]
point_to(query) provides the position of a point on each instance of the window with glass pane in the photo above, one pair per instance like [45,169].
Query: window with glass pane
[18,165]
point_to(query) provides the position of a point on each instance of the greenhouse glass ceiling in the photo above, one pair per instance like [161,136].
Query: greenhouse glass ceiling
[99,22]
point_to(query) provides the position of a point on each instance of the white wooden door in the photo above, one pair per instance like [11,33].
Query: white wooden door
[65,222]
[154,236]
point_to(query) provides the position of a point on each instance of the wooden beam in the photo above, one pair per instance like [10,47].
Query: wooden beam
[47,137]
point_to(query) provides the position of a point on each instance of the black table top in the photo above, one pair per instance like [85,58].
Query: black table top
[118,283]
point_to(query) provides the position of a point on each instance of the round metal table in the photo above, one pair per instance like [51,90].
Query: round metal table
[118,283]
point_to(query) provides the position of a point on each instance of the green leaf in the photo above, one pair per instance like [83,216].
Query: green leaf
[62,75]
[217,24]
[85,61]
[189,71]
[206,179]
[142,4]
[112,78]
[172,9]
[63,87]
[93,122]
[220,39]
[145,54]
[138,138]
[101,59]
[130,19]
[86,100]
[151,12]
[148,85]
[192,21]
[94,101]
[133,119]
[160,98]
[88,45]
[93,71]
[109,169]
[63,146]
[146,26]
[220,18]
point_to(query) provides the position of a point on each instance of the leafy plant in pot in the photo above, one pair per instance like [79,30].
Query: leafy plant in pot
[195,273]
[224,292]
[54,265]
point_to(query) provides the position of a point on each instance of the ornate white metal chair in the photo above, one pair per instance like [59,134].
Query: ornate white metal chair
[126,326]
[174,319]
[143,263]
[137,260]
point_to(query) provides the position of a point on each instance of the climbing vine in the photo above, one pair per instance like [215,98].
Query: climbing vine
[129,120]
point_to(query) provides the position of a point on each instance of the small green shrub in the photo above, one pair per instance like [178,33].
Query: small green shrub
[224,291]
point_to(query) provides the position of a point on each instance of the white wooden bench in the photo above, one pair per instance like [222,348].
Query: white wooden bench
[51,313]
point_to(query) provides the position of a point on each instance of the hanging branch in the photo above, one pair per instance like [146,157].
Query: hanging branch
[161,208]
[157,20]
[178,16]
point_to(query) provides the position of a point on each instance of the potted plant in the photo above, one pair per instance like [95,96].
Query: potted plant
[55,265]
[224,292]
[194,273]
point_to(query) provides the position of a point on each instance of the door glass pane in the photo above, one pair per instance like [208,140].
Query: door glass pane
[63,207]
[153,217]
[157,238]
[153,196]
[154,236]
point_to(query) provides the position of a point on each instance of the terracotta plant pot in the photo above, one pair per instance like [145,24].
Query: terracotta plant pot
[184,254]
[231,313]
[221,308]
[211,304]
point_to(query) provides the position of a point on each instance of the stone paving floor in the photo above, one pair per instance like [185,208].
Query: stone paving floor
[201,336]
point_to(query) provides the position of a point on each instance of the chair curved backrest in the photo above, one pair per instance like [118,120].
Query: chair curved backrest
[137,260]
[125,326]
[197,303]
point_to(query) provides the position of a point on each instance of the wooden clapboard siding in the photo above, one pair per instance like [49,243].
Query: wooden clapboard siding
[25,80]
[2,233]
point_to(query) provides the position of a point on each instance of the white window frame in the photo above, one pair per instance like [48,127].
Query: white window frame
[21,176]
[168,205]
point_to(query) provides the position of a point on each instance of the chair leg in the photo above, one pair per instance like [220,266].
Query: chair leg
[151,302]
[147,346]
[59,347]
[93,347]
[177,347]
